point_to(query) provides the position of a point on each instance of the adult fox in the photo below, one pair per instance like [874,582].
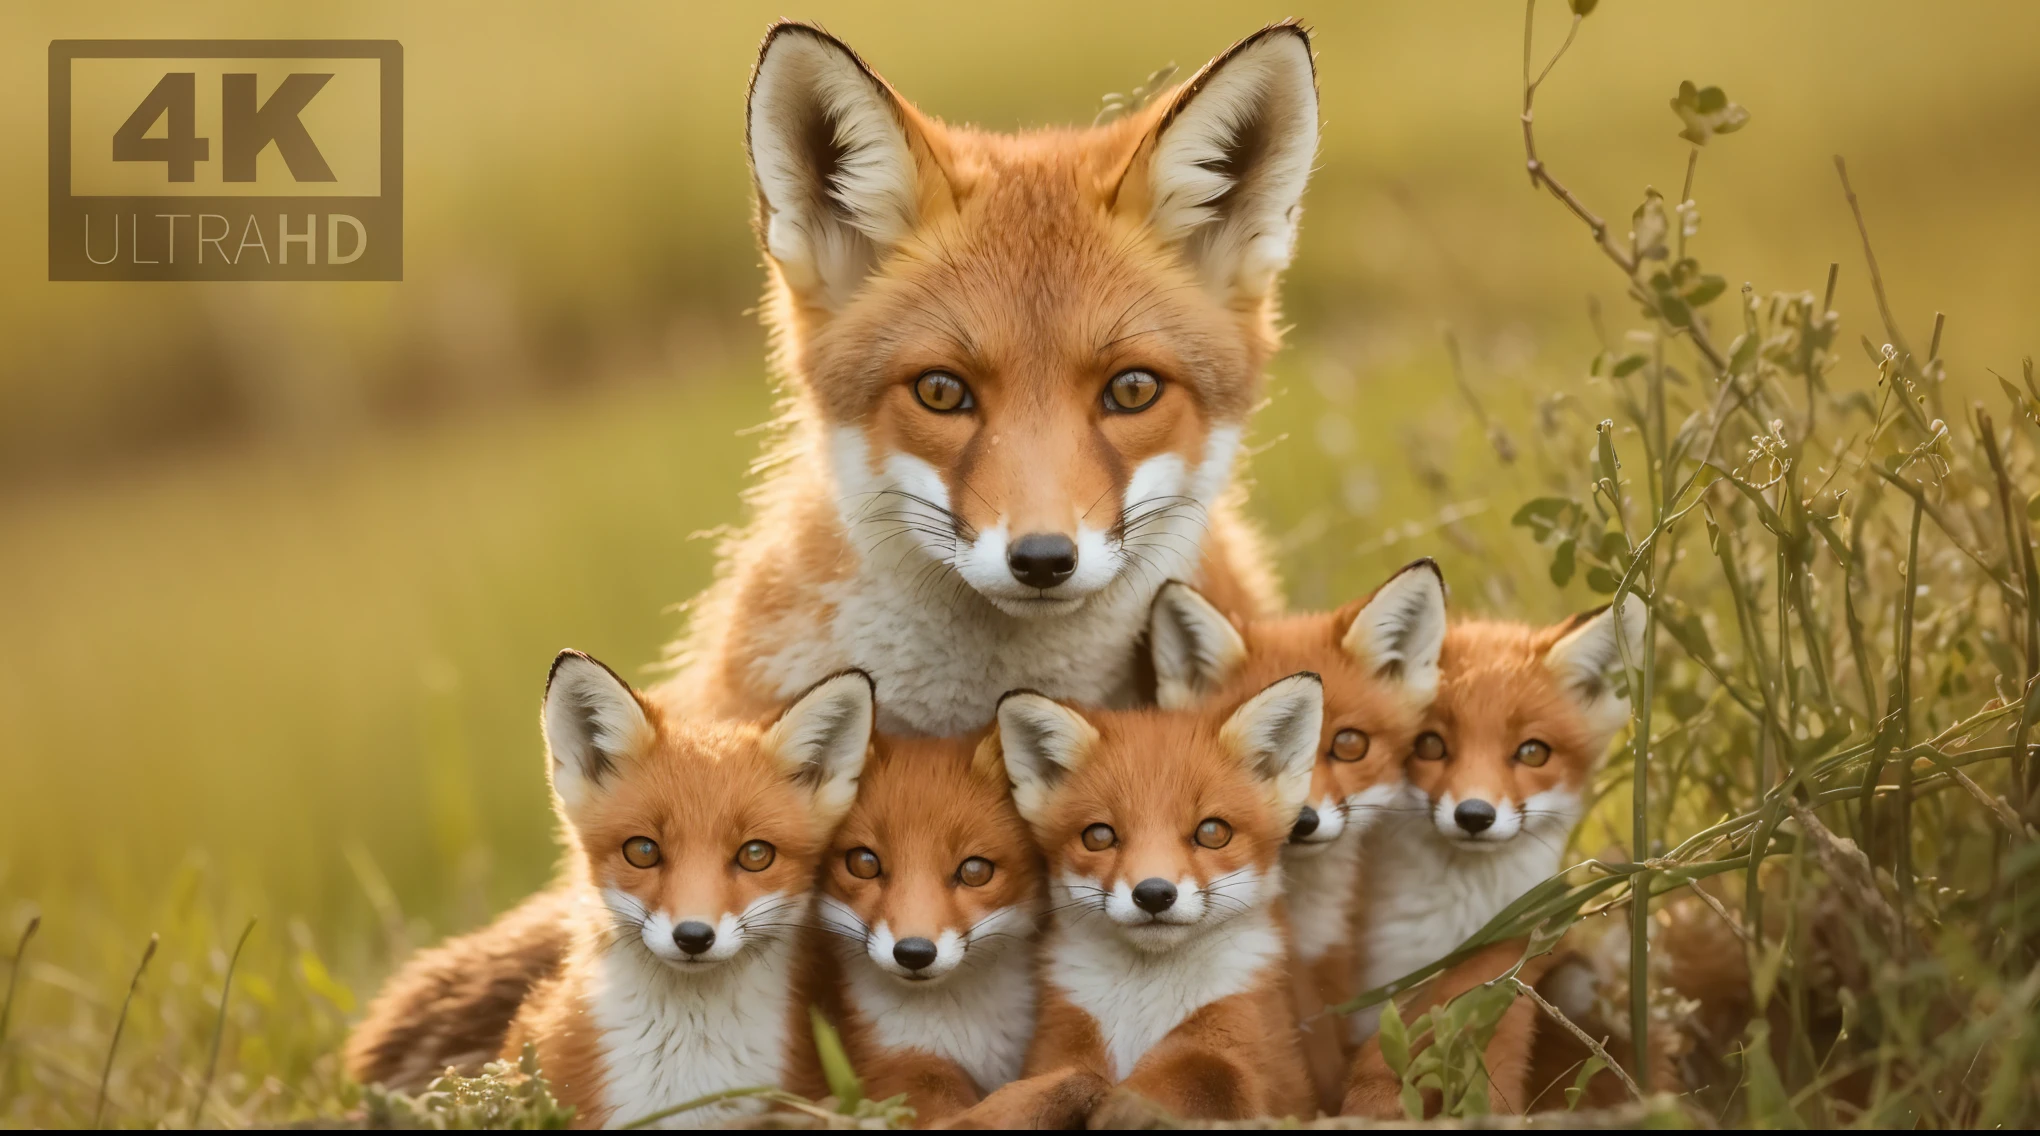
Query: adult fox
[1017,370]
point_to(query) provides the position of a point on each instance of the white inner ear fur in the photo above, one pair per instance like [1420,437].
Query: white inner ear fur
[1400,631]
[833,165]
[1229,170]
[823,737]
[593,727]
[1583,659]
[1195,647]
[1041,740]
[1276,733]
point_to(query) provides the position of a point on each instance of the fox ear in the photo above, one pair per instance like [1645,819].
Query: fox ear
[1042,741]
[594,725]
[835,171]
[1590,645]
[1276,733]
[822,738]
[1195,647]
[1400,629]
[1228,158]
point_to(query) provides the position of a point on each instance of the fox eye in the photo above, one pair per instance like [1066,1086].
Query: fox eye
[975,872]
[1099,837]
[942,393]
[756,856]
[1132,390]
[1214,833]
[1349,745]
[1533,753]
[1430,746]
[641,852]
[862,863]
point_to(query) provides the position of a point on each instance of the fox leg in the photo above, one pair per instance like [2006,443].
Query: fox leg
[1059,1099]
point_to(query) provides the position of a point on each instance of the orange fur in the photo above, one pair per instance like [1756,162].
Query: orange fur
[705,794]
[1154,777]
[923,808]
[1500,689]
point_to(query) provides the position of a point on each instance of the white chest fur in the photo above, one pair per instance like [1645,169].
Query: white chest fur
[1438,895]
[1320,886]
[980,1017]
[669,1037]
[1137,998]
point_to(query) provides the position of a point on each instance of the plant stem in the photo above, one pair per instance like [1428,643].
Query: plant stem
[212,1063]
[119,1025]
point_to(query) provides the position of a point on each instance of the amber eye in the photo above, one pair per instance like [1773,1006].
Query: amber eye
[641,852]
[1099,837]
[862,862]
[1132,390]
[756,856]
[1349,745]
[1533,753]
[1430,746]
[1214,833]
[975,872]
[942,392]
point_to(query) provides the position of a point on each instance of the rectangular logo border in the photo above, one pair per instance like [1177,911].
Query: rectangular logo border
[390,52]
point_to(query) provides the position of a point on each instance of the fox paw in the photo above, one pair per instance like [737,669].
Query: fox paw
[1124,1108]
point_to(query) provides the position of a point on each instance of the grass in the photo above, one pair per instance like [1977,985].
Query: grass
[290,682]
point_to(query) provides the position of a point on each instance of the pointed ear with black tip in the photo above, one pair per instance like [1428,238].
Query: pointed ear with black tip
[1195,647]
[1400,630]
[1589,647]
[1042,742]
[594,728]
[1222,172]
[822,739]
[1276,735]
[834,163]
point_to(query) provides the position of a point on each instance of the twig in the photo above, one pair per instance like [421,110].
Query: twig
[14,975]
[1870,258]
[1593,1047]
[212,1063]
[119,1025]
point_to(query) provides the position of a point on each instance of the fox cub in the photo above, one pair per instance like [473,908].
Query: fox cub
[693,852]
[1495,784]
[1378,657]
[929,898]
[1164,967]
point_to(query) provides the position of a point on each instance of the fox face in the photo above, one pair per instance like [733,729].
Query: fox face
[1030,356]
[1521,718]
[932,872]
[1377,656]
[1167,824]
[701,840]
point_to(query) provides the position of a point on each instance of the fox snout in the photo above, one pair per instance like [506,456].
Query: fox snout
[695,938]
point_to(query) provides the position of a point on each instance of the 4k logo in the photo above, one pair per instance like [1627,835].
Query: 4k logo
[226,160]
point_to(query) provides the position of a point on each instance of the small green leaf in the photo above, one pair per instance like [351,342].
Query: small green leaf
[1543,516]
[1705,290]
[836,1071]
[1583,8]
[1412,1102]
[1562,562]
[1395,1040]
[1602,580]
[1578,1088]
[1629,365]
[1706,111]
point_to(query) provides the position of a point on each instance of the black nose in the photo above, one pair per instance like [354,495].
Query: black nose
[913,953]
[1042,560]
[1154,895]
[694,936]
[1474,816]
[1306,823]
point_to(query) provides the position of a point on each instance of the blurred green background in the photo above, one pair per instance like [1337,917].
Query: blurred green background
[282,566]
